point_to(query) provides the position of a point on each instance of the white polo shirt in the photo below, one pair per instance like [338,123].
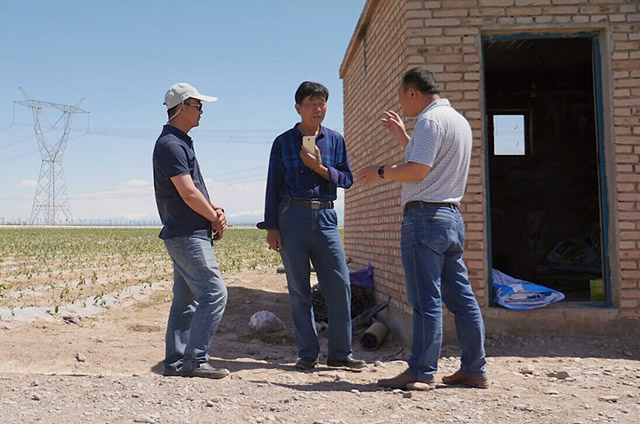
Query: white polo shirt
[441,139]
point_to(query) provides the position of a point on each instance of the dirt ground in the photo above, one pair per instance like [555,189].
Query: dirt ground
[105,368]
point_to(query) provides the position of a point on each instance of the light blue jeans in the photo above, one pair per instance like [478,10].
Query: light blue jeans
[432,241]
[199,300]
[313,235]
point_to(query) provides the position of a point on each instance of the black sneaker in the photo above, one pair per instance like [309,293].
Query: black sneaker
[170,372]
[348,362]
[306,364]
[205,370]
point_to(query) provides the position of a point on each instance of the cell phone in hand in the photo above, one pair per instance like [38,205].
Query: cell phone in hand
[309,143]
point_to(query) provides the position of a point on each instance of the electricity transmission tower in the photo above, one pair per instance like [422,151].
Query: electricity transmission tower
[51,199]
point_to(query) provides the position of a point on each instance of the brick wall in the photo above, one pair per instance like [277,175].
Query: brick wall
[393,36]
[372,218]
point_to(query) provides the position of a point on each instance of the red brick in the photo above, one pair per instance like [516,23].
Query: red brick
[630,254]
[627,245]
[493,3]
[629,235]
[627,158]
[630,274]
[561,2]
[524,11]
[630,313]
[532,2]
[631,294]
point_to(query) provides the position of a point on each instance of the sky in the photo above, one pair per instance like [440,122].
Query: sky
[509,135]
[121,57]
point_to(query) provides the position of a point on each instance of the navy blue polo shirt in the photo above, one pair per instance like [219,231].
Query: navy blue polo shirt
[173,155]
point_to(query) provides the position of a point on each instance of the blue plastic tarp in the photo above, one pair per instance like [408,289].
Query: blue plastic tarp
[521,295]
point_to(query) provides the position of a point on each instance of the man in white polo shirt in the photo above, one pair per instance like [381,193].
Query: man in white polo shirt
[433,179]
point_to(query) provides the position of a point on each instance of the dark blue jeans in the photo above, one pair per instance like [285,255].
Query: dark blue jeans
[313,235]
[432,243]
[199,300]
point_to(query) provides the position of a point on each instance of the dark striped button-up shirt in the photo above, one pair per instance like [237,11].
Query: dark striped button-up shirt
[289,177]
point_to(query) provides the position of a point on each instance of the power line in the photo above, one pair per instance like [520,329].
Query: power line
[20,140]
[19,156]
[219,138]
[241,171]
[156,131]
[28,153]
[30,136]
[234,141]
[15,199]
[255,175]
[245,179]
[97,195]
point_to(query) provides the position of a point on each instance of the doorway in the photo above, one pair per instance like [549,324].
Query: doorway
[545,162]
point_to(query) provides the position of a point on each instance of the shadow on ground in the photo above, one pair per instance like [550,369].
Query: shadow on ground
[238,347]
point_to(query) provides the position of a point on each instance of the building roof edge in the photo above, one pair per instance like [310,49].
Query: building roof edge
[358,34]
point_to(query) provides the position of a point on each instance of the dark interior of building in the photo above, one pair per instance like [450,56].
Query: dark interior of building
[544,185]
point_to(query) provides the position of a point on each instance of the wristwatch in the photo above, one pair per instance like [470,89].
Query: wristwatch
[381,172]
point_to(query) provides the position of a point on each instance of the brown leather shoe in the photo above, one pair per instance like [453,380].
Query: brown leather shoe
[400,381]
[458,379]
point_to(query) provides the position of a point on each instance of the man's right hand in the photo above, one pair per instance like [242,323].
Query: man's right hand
[392,122]
[274,240]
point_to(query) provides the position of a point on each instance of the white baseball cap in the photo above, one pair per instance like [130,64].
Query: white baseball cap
[182,91]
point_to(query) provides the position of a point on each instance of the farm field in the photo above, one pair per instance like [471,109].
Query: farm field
[101,362]
[58,267]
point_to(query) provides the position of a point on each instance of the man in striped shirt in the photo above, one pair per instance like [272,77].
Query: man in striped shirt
[302,225]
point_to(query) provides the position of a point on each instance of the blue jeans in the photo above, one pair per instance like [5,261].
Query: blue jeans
[432,243]
[199,300]
[313,235]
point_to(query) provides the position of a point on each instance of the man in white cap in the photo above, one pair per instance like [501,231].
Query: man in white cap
[191,220]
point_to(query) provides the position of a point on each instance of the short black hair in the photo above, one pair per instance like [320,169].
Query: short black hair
[311,89]
[422,79]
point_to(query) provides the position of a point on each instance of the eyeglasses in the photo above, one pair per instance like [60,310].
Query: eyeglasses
[196,105]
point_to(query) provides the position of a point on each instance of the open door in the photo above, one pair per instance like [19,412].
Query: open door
[544,162]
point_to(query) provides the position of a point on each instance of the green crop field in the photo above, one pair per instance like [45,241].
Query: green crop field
[58,266]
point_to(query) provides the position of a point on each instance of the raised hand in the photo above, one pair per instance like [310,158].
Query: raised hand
[392,122]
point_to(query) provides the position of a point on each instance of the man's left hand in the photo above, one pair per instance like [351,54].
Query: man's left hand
[221,225]
[368,175]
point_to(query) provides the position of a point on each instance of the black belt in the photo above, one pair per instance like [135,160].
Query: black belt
[419,204]
[311,204]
